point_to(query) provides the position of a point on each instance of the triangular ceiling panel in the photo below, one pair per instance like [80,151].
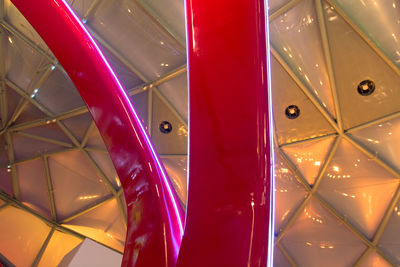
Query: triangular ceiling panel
[169,134]
[33,187]
[22,63]
[5,181]
[13,99]
[26,147]
[317,239]
[29,113]
[285,93]
[3,151]
[59,245]
[104,223]
[95,140]
[140,104]
[78,125]
[103,160]
[289,193]
[276,4]
[390,240]
[280,259]
[382,139]
[22,235]
[358,187]
[177,171]
[306,59]
[382,31]
[149,39]
[128,79]
[176,92]
[375,260]
[69,171]
[309,156]
[58,93]
[354,62]
[49,131]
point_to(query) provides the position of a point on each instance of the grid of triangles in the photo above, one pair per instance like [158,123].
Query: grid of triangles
[57,182]
[337,170]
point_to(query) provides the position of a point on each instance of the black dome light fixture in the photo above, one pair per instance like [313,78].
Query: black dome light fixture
[366,87]
[165,127]
[292,112]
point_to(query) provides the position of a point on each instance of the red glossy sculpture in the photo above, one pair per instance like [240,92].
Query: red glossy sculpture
[229,171]
[154,237]
[228,207]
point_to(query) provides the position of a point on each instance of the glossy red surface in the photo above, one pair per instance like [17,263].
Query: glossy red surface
[229,161]
[154,214]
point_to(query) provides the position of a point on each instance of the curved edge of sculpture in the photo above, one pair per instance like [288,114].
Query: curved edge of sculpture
[230,183]
[155,217]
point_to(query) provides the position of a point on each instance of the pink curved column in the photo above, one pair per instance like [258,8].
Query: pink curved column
[154,215]
[228,206]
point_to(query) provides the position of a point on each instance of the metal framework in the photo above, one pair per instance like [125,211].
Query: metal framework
[9,128]
[372,244]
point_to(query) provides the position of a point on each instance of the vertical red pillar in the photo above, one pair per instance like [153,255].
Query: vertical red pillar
[229,161]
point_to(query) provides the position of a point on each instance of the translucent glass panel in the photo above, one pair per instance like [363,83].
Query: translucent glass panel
[379,21]
[382,139]
[155,52]
[171,13]
[358,187]
[58,93]
[310,123]
[72,170]
[306,59]
[5,181]
[78,125]
[177,171]
[33,186]
[390,240]
[353,62]
[276,4]
[317,238]
[103,160]
[309,156]
[289,193]
[375,260]
[22,235]
[176,92]
[103,224]
[60,244]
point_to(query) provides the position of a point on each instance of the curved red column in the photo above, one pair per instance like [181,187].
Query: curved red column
[228,208]
[154,213]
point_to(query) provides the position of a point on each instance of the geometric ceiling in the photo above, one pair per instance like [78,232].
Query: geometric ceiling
[335,85]
[335,67]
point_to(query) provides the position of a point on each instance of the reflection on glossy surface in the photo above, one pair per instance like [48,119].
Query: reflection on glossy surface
[309,156]
[379,20]
[130,149]
[60,244]
[317,236]
[22,235]
[383,139]
[306,59]
[358,187]
[229,190]
[288,193]
[285,92]
[354,61]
